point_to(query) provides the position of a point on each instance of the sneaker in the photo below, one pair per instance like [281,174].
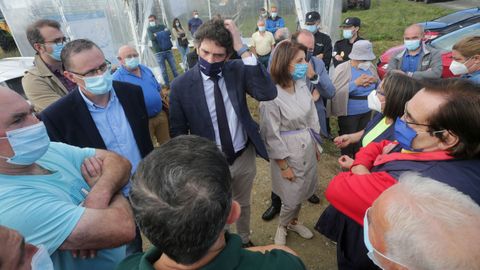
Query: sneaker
[281,236]
[300,229]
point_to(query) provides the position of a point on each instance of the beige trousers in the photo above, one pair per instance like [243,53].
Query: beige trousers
[158,127]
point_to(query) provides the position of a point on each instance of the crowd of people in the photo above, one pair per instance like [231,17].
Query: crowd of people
[96,157]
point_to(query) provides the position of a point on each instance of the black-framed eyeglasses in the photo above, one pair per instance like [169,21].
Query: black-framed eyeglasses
[58,41]
[405,116]
[93,72]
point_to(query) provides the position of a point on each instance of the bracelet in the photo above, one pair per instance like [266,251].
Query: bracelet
[242,50]
[284,168]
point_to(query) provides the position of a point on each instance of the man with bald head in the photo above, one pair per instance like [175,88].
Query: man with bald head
[131,71]
[417,60]
[421,223]
[100,113]
[60,196]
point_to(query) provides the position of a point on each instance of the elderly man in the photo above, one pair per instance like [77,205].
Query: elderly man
[18,255]
[417,60]
[263,43]
[60,196]
[182,199]
[131,71]
[45,83]
[274,22]
[441,141]
[209,100]
[420,223]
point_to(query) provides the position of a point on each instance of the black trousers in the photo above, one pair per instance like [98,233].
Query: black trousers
[351,124]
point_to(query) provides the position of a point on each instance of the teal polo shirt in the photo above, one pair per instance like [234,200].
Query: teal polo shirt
[232,257]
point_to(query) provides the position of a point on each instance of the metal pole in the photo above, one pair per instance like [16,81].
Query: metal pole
[209,10]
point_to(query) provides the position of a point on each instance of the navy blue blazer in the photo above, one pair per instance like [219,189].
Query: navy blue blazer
[68,120]
[189,112]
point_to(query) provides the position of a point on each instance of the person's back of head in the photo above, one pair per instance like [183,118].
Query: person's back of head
[281,34]
[181,196]
[459,114]
[431,225]
[398,89]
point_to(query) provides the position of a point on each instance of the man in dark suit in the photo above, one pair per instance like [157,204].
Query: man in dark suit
[99,113]
[209,100]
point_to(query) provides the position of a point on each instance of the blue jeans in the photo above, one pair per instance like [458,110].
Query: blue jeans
[183,52]
[161,57]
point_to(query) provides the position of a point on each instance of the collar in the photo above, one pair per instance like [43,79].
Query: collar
[424,49]
[206,78]
[417,54]
[125,71]
[92,106]
[412,156]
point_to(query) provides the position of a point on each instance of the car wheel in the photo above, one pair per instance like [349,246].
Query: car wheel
[344,5]
[366,4]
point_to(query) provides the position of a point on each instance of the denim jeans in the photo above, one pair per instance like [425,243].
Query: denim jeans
[161,57]
[183,52]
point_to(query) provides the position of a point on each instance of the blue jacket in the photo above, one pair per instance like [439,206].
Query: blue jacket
[189,112]
[272,25]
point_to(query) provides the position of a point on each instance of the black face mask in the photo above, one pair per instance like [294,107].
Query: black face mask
[210,69]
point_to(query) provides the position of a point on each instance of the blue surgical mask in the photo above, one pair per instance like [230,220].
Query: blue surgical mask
[274,14]
[57,50]
[300,71]
[412,45]
[261,28]
[41,259]
[210,69]
[311,28]
[132,63]
[28,144]
[347,33]
[404,134]
[370,248]
[99,85]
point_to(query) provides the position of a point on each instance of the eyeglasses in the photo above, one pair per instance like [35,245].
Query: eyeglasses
[406,118]
[58,41]
[93,72]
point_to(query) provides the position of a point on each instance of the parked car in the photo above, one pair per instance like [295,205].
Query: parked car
[443,43]
[451,22]
[346,4]
[12,70]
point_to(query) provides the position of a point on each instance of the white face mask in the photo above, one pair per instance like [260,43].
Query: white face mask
[364,65]
[151,23]
[195,16]
[41,259]
[374,102]
[458,68]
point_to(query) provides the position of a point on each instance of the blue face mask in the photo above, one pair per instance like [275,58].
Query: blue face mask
[404,134]
[28,144]
[261,28]
[99,85]
[300,71]
[311,28]
[132,63]
[210,69]
[412,45]
[347,34]
[57,50]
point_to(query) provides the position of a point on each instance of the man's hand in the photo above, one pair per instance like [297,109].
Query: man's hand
[84,254]
[288,174]
[310,70]
[320,55]
[232,28]
[359,170]
[345,162]
[91,170]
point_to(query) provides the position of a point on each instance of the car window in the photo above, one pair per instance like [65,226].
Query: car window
[454,17]
[446,42]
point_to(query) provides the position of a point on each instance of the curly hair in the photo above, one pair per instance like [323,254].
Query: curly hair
[215,30]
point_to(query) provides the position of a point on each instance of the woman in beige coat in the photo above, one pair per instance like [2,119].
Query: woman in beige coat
[289,125]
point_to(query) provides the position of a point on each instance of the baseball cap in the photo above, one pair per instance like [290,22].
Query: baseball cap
[312,17]
[351,21]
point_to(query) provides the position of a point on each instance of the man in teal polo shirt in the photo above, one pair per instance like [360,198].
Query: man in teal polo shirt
[133,72]
[182,199]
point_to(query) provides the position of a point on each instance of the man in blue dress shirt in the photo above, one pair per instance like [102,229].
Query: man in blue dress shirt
[131,71]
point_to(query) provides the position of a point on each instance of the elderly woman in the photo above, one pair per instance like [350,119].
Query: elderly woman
[354,80]
[389,102]
[289,126]
[466,59]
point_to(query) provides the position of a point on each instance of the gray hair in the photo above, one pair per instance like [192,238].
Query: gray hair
[282,34]
[432,226]
[74,47]
[181,197]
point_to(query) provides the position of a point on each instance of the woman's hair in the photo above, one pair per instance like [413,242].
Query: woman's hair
[174,25]
[398,88]
[468,46]
[283,54]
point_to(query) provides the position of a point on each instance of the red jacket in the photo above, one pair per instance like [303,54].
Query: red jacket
[353,194]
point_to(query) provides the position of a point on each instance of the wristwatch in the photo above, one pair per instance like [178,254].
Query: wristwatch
[314,78]
[242,50]
[284,168]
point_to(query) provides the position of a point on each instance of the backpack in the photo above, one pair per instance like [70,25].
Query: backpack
[163,40]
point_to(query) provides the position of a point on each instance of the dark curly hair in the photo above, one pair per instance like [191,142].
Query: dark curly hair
[215,30]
